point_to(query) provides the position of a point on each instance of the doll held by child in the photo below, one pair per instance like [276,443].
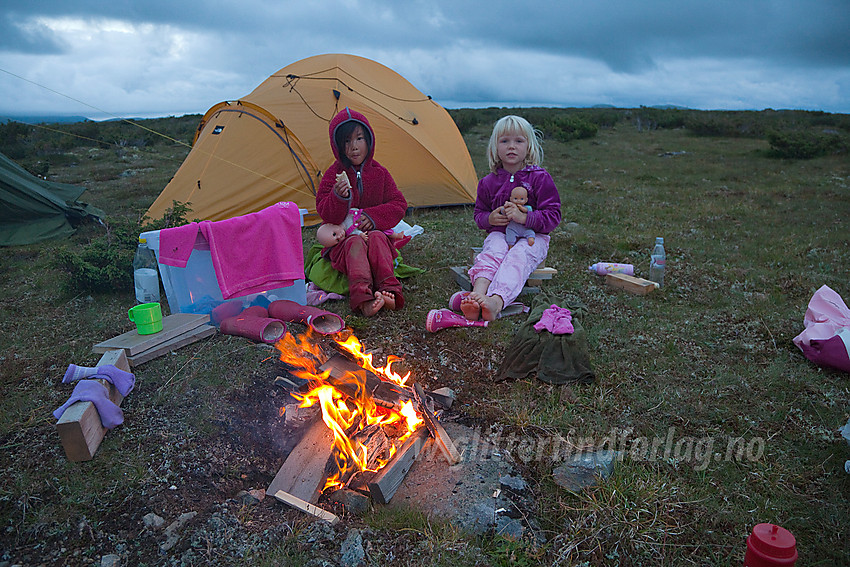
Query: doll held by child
[514,230]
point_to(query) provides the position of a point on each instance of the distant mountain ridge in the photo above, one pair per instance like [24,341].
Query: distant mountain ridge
[43,119]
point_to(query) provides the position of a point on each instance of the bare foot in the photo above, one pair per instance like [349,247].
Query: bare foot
[389,299]
[470,305]
[491,306]
[372,306]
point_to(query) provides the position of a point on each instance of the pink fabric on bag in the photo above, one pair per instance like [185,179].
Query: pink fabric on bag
[176,244]
[556,320]
[256,252]
[826,338]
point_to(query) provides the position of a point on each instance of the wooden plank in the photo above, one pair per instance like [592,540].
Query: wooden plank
[638,286]
[172,326]
[186,338]
[304,506]
[385,394]
[80,428]
[303,473]
[444,442]
[386,481]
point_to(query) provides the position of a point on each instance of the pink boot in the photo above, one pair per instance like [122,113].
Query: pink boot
[323,322]
[439,319]
[250,326]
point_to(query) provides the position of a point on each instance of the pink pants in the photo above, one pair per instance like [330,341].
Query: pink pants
[369,267]
[508,268]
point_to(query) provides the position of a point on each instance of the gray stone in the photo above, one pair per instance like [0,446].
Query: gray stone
[513,482]
[845,431]
[153,521]
[111,560]
[172,535]
[584,469]
[352,553]
[353,501]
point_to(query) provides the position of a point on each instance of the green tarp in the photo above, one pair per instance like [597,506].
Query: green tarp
[33,209]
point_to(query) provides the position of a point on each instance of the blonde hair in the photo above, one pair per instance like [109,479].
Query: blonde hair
[512,124]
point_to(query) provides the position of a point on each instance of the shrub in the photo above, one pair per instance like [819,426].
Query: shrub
[104,264]
[566,128]
[801,144]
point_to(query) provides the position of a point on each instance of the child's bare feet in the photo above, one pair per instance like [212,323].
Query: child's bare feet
[389,299]
[491,306]
[470,305]
[372,306]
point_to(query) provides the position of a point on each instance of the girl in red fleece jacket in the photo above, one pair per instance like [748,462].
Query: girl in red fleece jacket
[357,181]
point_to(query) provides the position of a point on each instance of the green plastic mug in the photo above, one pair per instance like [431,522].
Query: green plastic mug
[147,317]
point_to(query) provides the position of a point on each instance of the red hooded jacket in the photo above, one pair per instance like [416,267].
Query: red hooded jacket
[372,187]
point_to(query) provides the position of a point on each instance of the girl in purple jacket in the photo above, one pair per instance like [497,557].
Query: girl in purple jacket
[357,181]
[500,271]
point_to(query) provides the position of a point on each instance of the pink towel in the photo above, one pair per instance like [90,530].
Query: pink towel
[257,252]
[176,244]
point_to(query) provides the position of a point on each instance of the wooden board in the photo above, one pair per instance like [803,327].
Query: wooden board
[172,325]
[300,504]
[441,438]
[462,279]
[80,428]
[638,286]
[186,338]
[303,473]
[385,483]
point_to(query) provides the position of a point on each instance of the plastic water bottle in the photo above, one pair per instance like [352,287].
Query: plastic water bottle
[658,262]
[145,276]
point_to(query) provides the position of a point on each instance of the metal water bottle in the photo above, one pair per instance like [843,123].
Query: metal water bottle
[658,262]
[145,276]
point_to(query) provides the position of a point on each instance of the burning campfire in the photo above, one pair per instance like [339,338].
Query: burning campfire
[373,423]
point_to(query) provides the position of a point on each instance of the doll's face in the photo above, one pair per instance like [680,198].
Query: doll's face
[519,196]
[330,234]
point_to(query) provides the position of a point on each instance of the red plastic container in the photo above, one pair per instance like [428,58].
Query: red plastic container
[770,546]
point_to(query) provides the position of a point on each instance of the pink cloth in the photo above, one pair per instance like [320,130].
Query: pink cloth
[826,338]
[556,320]
[256,252]
[176,244]
[507,268]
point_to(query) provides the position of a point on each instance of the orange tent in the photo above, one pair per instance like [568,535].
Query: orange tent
[272,145]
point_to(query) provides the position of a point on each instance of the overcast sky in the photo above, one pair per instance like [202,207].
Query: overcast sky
[126,58]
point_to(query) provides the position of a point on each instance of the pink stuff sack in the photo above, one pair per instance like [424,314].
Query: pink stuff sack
[826,339]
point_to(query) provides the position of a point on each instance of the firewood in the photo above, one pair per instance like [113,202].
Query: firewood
[384,484]
[304,506]
[303,473]
[444,442]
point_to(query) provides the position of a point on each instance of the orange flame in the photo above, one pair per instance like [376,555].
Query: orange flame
[345,415]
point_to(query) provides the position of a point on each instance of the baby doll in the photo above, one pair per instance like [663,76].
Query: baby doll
[514,230]
[329,234]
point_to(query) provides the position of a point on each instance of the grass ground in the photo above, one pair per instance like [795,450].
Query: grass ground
[722,422]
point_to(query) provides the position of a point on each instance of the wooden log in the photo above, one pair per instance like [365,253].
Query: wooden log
[638,286]
[305,506]
[444,442]
[356,382]
[303,473]
[80,428]
[384,484]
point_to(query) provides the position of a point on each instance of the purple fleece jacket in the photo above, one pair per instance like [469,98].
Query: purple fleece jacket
[495,189]
[372,187]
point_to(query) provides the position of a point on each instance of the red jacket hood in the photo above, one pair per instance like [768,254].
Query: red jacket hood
[346,115]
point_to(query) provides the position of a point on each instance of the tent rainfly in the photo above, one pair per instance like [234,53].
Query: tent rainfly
[34,209]
[272,145]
